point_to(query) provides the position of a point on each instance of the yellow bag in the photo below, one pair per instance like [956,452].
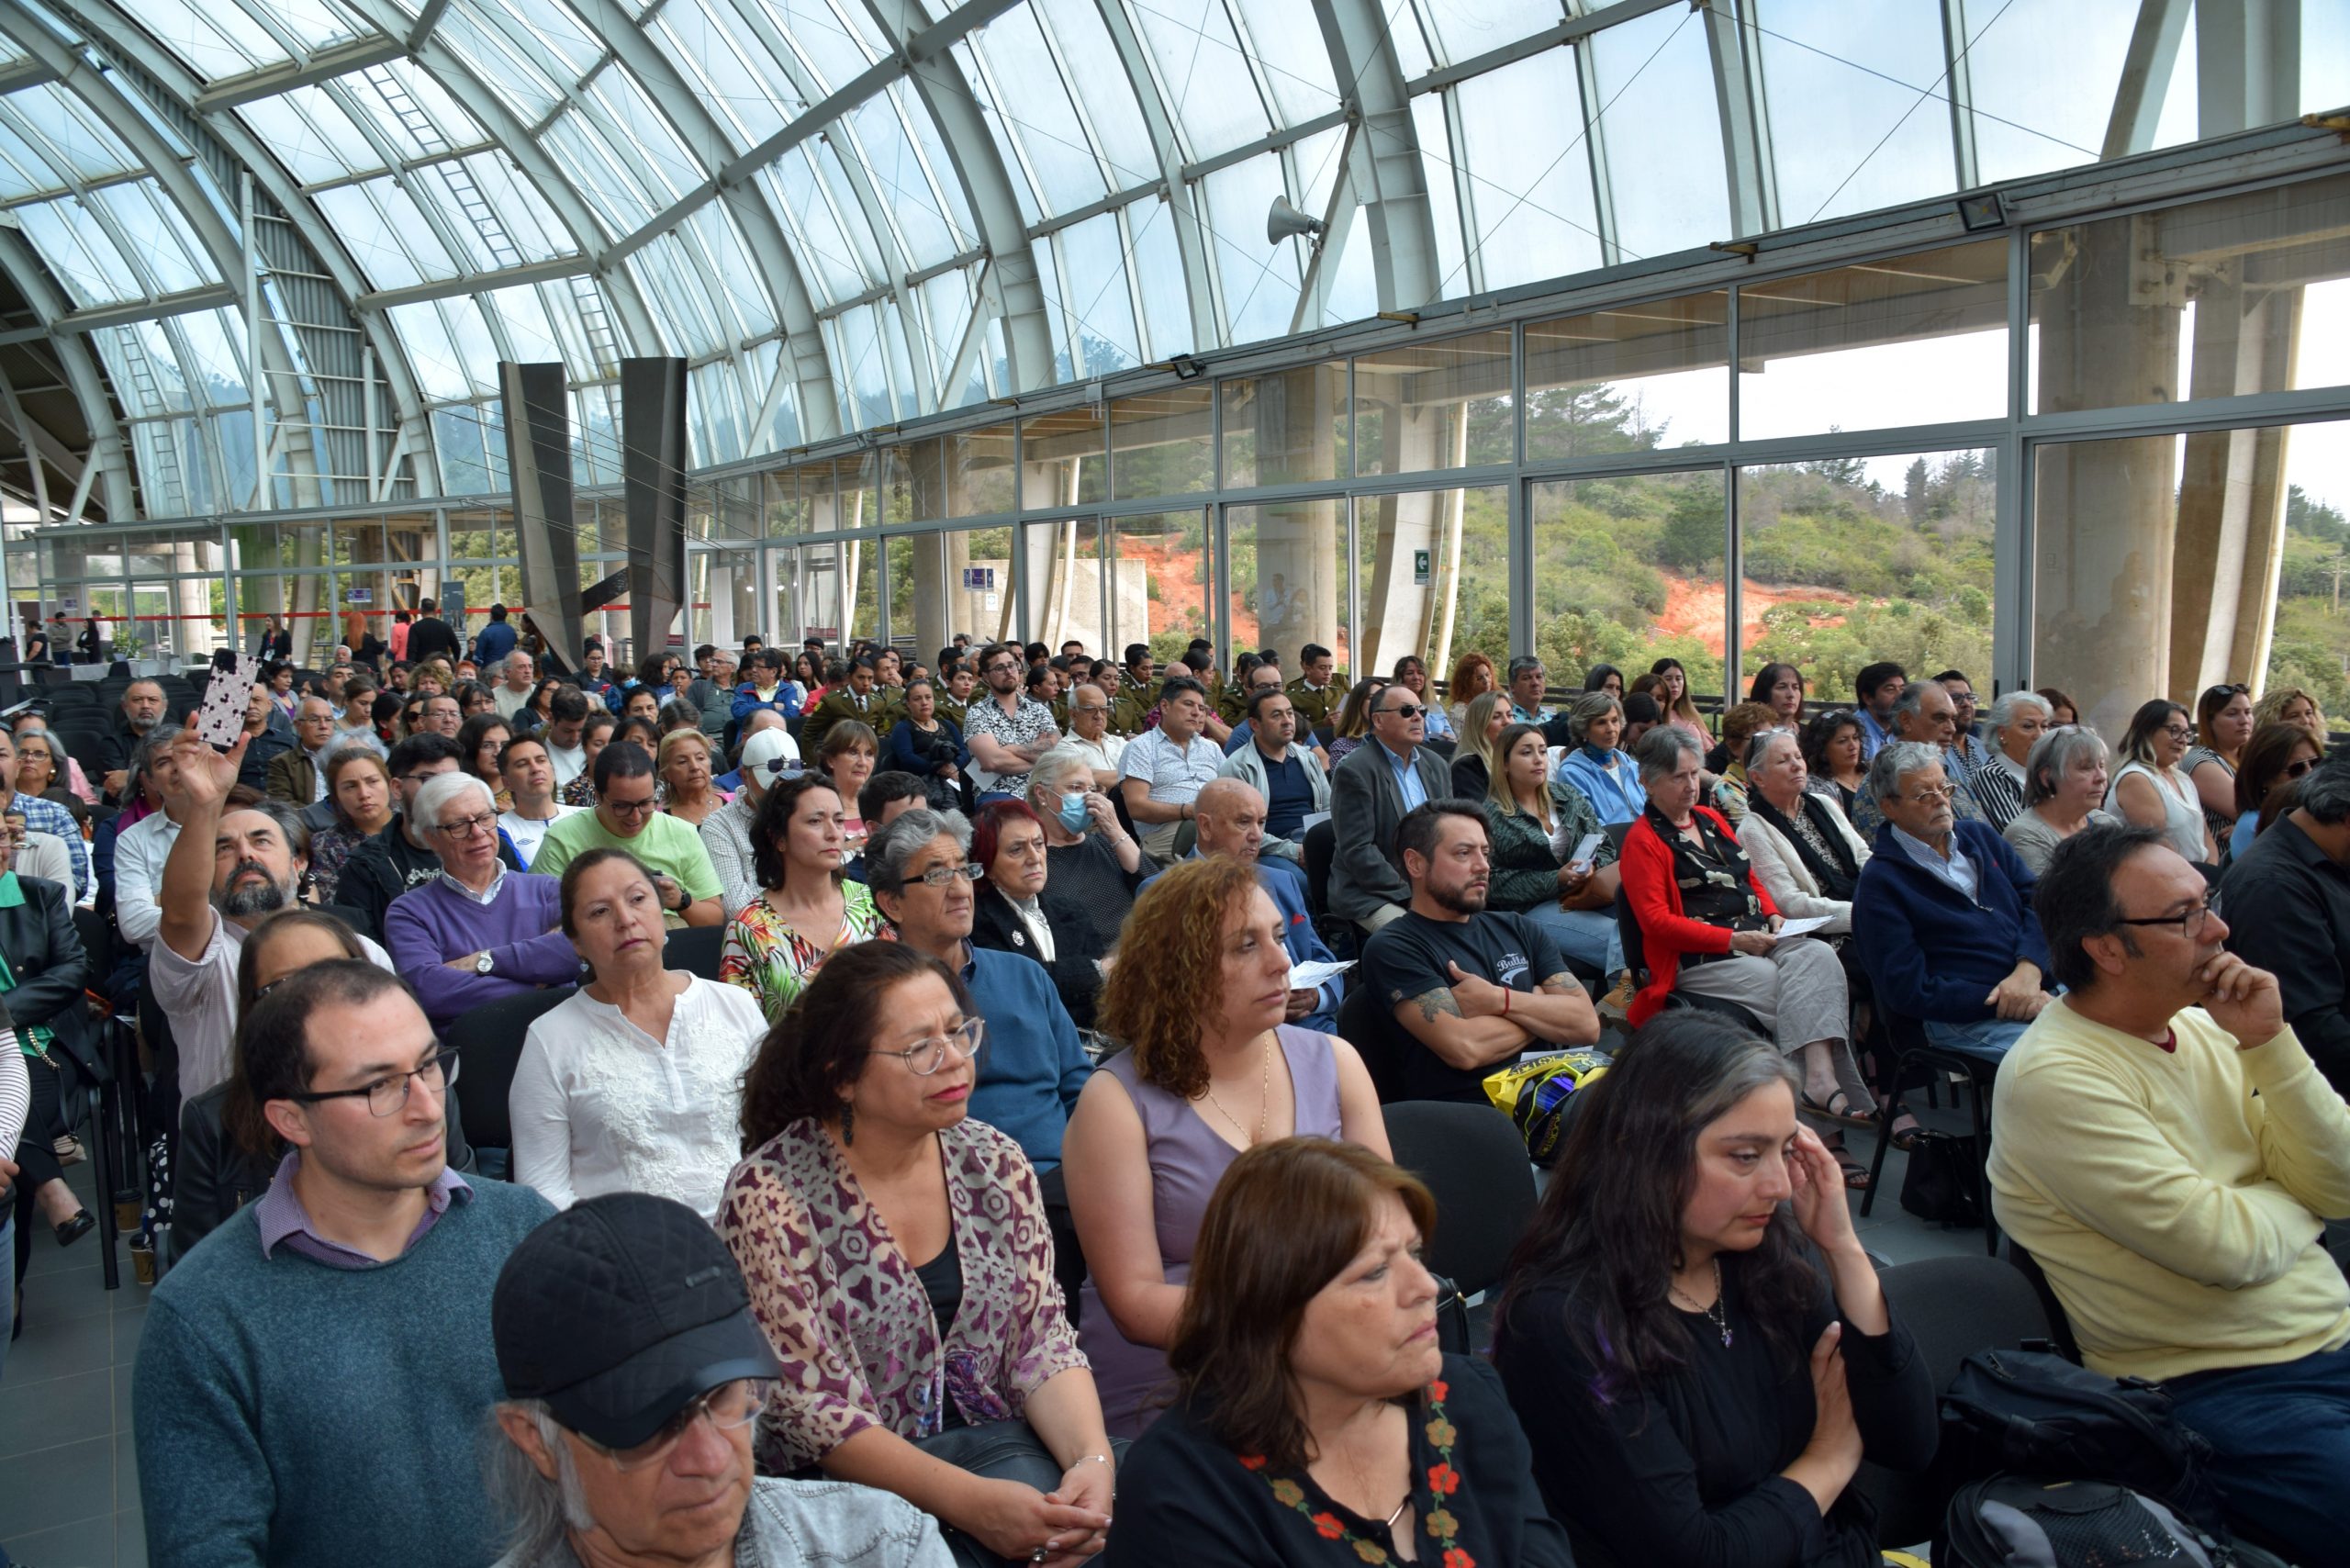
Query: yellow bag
[1535,1090]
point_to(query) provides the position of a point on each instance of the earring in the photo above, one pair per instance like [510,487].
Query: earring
[848,1123]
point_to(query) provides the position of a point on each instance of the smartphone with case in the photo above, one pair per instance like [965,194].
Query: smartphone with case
[222,718]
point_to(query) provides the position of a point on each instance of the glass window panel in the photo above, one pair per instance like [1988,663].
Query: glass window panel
[714,396]
[81,254]
[1530,171]
[1206,76]
[660,155]
[597,439]
[705,41]
[2168,564]
[1353,292]
[1628,571]
[1316,159]
[315,22]
[407,108]
[477,353]
[23,170]
[1061,459]
[1910,341]
[550,27]
[159,236]
[307,130]
[978,472]
[2215,298]
[1662,133]
[913,485]
[2043,74]
[1287,427]
[1465,28]
[1038,115]
[386,235]
[215,356]
[1002,132]
[862,369]
[712,226]
[948,304]
[1260,284]
[944,179]
[1444,196]
[1446,404]
[440,374]
[514,76]
[1101,86]
[143,368]
[904,182]
[901,360]
[1296,60]
[1853,560]
[1048,284]
[1461,605]
[1158,583]
[1158,262]
[1859,119]
[1162,444]
[1065,585]
[620,202]
[216,40]
[863,243]
[827,261]
[71,137]
[1629,378]
[818,31]
[1098,300]
[675,285]
[1289,577]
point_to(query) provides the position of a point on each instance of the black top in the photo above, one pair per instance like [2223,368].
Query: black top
[1686,1470]
[1412,956]
[430,636]
[1185,1498]
[1470,775]
[1087,873]
[1076,949]
[942,1281]
[2289,913]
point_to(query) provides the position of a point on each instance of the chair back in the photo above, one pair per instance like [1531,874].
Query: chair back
[1365,1024]
[488,1041]
[1319,848]
[695,949]
[1474,1160]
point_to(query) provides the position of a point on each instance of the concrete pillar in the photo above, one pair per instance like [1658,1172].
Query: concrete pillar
[1298,586]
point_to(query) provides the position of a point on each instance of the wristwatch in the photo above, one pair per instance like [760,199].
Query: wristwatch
[484,964]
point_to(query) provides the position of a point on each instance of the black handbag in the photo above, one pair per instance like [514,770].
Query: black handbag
[1943,1184]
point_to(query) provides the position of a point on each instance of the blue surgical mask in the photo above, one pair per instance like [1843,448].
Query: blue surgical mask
[1074,816]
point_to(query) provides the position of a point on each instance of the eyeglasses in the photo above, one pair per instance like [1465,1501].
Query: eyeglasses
[1929,797]
[2177,731]
[1088,707]
[631,808]
[926,1057]
[2190,923]
[730,1408]
[939,876]
[467,827]
[388,1096]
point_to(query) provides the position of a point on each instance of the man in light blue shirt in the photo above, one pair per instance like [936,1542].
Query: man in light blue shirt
[1370,791]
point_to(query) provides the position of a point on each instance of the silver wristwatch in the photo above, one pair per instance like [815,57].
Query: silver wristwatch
[484,964]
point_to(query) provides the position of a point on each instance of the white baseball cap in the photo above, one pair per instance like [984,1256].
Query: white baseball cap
[768,756]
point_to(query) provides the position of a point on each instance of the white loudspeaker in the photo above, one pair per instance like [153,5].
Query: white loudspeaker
[1285,221]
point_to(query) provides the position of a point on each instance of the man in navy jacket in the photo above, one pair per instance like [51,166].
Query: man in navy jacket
[1944,912]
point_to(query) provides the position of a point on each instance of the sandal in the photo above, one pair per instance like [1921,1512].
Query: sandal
[1906,1138]
[1847,1116]
[1856,1175]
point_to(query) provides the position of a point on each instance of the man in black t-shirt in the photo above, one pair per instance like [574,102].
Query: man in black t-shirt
[1471,989]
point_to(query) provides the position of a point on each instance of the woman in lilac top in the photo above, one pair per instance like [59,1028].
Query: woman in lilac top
[1212,1068]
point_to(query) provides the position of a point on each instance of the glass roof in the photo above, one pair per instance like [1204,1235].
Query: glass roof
[847,213]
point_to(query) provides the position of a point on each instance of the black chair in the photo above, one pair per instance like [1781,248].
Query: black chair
[1365,1022]
[1316,851]
[488,1041]
[1474,1160]
[1912,1051]
[2060,1327]
[1627,931]
[695,949]
[1951,1307]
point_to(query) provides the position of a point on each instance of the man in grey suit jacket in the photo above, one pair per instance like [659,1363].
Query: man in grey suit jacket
[1371,790]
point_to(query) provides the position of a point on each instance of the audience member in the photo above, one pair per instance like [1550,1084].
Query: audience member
[897,1254]
[140,711]
[1876,689]
[1692,1261]
[495,640]
[47,817]
[2018,721]
[1370,794]
[1351,727]
[2289,705]
[1014,910]
[768,756]
[803,911]
[520,679]
[628,817]
[43,970]
[1316,1420]
[2279,757]
[1313,694]
[1967,754]
[480,739]
[269,733]
[2289,912]
[2150,791]
[1473,987]
[929,747]
[2062,709]
[631,1084]
[1164,767]
[1805,853]
[1286,774]
[1411,672]
[1090,857]
[1925,715]
[764,688]
[298,775]
[474,934]
[596,733]
[1741,724]
[686,766]
[1944,914]
[1472,677]
[263,1388]
[528,772]
[1251,677]
[1537,825]
[847,757]
[402,856]
[2064,781]
[361,795]
[1089,726]
[67,769]
[1598,765]
[1473,756]
[2223,729]
[1006,731]
[1213,1066]
[856,701]
[1780,688]
[2167,1153]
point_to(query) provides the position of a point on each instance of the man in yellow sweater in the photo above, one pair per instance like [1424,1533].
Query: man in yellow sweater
[2180,1218]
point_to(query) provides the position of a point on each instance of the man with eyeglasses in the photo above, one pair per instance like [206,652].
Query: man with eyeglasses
[1007,731]
[1967,751]
[2289,913]
[628,816]
[1925,715]
[1371,790]
[307,1372]
[476,932]
[1088,722]
[1942,913]
[297,776]
[2168,1153]
[1164,768]
[403,855]
[635,1376]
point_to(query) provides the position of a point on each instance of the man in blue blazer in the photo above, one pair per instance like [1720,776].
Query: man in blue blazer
[1231,820]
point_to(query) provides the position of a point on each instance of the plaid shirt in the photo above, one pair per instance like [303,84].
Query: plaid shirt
[48,816]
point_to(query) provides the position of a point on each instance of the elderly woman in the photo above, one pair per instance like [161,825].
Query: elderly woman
[847,756]
[806,911]
[1012,910]
[2150,791]
[1835,754]
[1472,676]
[1201,1079]
[1537,824]
[1806,852]
[633,1082]
[1089,858]
[359,788]
[1702,1387]
[2223,728]
[1741,724]
[42,972]
[2279,757]
[1709,928]
[928,746]
[1481,726]
[686,768]
[1598,766]
[897,1255]
[2064,779]
[1317,1422]
[2018,721]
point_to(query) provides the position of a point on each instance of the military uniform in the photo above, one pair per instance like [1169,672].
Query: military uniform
[1130,709]
[840,704]
[1314,709]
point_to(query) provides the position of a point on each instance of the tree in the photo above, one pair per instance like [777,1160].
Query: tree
[1913,491]
[1693,532]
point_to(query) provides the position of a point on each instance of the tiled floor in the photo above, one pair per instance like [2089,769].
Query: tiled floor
[69,1479]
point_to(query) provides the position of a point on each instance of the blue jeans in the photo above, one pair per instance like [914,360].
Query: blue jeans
[2282,1442]
[1589,935]
[1987,1037]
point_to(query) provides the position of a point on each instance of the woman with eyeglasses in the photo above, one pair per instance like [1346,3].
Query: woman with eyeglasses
[633,1084]
[805,911]
[2279,757]
[2150,791]
[2065,780]
[1012,911]
[2223,726]
[898,1255]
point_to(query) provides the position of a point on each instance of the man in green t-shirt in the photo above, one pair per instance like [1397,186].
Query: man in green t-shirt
[626,818]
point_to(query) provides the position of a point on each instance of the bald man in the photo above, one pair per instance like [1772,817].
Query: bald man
[1231,820]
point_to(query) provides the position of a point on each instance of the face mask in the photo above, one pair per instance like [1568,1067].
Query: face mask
[1075,818]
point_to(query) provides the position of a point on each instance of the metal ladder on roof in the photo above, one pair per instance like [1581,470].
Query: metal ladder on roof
[163,440]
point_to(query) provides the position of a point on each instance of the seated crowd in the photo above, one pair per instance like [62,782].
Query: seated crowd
[921,1130]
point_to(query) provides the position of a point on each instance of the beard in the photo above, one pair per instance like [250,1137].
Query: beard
[246,901]
[1466,898]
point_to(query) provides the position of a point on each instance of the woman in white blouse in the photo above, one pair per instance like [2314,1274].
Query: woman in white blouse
[1805,852]
[634,1083]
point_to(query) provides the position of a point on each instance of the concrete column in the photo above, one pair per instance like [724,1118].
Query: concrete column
[1299,588]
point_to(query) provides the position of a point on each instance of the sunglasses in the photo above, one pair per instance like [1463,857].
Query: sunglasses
[1405,711]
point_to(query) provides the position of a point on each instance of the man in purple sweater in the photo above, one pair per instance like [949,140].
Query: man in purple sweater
[478,931]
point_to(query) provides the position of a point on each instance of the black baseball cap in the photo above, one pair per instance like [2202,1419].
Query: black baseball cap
[621,1311]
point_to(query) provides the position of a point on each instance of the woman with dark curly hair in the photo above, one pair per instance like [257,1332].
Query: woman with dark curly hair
[1696,1343]
[805,911]
[1210,1068]
[898,1256]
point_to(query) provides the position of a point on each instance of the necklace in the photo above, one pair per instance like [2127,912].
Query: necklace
[1718,1314]
[1264,1101]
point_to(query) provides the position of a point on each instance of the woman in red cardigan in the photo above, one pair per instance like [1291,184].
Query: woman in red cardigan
[1707,927]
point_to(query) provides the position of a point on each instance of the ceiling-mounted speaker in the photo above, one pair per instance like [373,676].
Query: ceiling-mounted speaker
[1285,223]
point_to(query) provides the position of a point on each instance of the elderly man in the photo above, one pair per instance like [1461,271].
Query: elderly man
[1163,768]
[441,716]
[1473,986]
[1527,680]
[143,706]
[1874,691]
[403,855]
[528,774]
[1925,715]
[2289,913]
[1371,790]
[626,818]
[1942,913]
[44,816]
[298,775]
[1006,730]
[285,1439]
[1287,775]
[521,678]
[2168,1153]
[1088,722]
[270,737]
[767,754]
[1232,823]
[629,1445]
[476,934]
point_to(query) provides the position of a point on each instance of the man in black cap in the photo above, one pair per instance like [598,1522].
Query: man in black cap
[634,1373]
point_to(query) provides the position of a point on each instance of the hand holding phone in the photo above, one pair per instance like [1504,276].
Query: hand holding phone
[222,718]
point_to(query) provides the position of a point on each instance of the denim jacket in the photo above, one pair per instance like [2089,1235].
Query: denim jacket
[824,1524]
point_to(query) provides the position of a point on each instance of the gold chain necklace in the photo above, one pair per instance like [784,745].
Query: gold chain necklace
[1264,1103]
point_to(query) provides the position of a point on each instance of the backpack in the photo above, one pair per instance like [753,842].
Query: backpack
[2018,1521]
[1538,1092]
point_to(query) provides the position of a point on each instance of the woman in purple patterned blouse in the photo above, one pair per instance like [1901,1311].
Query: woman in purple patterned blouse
[898,1258]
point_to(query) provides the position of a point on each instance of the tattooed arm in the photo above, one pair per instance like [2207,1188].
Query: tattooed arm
[1437,1021]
